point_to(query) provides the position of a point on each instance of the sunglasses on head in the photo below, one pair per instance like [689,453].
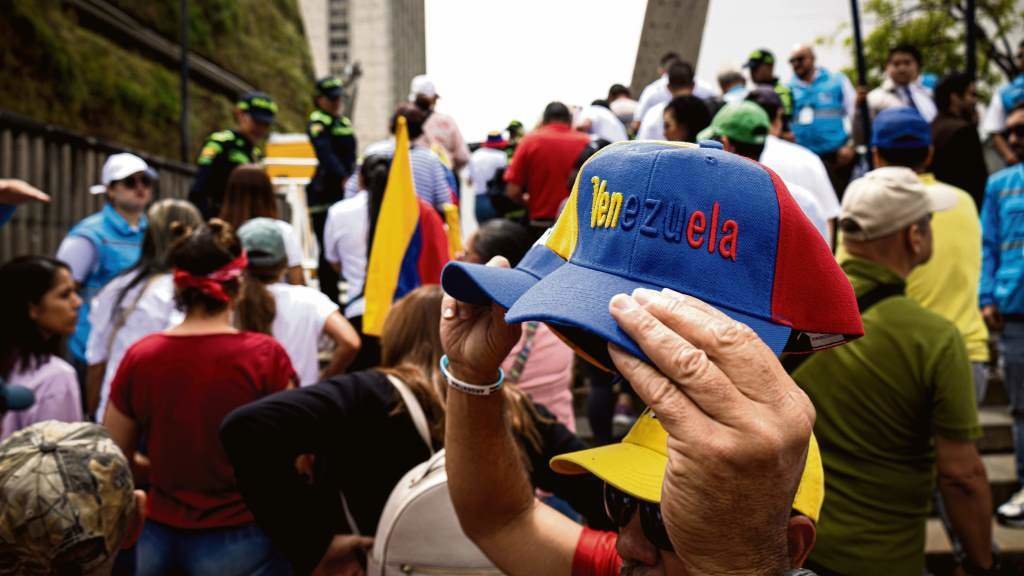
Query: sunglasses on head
[135,180]
[620,508]
[1016,130]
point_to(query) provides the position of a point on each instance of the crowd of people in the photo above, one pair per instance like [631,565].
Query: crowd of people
[780,322]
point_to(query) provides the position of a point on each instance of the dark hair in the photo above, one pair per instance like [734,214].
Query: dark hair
[502,237]
[1016,108]
[23,282]
[691,112]
[600,102]
[906,157]
[955,83]
[905,48]
[668,58]
[618,90]
[205,250]
[730,78]
[156,244]
[249,194]
[374,174]
[752,151]
[680,74]
[768,100]
[556,112]
[414,119]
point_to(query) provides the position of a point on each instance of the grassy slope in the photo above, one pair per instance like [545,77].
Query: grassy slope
[57,72]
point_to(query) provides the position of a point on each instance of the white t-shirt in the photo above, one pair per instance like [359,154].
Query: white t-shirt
[154,312]
[995,116]
[483,163]
[624,108]
[809,205]
[298,322]
[292,248]
[652,127]
[603,123]
[798,165]
[345,242]
[657,92]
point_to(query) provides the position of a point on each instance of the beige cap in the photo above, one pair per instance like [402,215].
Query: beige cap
[888,199]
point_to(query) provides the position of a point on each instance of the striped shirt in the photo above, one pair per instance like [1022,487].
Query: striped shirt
[428,173]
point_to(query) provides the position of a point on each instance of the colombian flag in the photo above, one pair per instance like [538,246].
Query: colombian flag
[410,246]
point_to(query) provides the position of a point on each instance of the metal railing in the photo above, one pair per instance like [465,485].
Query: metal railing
[63,165]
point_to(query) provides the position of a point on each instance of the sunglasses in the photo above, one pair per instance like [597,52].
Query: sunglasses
[1016,130]
[620,508]
[135,181]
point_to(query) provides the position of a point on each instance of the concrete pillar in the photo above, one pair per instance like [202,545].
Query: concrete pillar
[669,25]
[314,21]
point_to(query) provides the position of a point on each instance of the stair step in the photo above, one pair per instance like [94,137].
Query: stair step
[997,429]
[940,554]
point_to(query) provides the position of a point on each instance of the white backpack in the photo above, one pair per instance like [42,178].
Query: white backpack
[418,532]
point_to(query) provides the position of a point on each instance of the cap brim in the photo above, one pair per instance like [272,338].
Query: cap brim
[942,198]
[631,468]
[97,189]
[262,117]
[480,285]
[578,297]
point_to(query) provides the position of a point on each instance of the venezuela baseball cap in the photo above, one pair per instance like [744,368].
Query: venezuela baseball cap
[636,466]
[700,221]
[740,122]
[259,105]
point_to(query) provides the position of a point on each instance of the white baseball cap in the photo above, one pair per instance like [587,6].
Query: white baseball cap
[886,200]
[119,166]
[422,84]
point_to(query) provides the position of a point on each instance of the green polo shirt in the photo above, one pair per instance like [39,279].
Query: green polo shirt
[880,401]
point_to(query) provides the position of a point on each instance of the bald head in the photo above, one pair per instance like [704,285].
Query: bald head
[802,61]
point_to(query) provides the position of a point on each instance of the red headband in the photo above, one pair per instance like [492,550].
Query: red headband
[213,283]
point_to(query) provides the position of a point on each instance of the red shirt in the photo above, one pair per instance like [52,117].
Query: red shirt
[596,554]
[178,389]
[543,163]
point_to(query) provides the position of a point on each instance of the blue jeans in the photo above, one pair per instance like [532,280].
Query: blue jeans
[241,550]
[1012,350]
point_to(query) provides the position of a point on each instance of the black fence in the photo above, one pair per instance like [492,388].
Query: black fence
[63,165]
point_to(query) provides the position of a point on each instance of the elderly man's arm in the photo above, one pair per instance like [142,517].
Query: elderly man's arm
[966,494]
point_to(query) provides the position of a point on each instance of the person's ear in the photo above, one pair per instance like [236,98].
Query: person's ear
[800,536]
[136,522]
[726,145]
[876,158]
[33,312]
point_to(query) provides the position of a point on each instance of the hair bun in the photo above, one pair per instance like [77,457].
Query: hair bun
[179,229]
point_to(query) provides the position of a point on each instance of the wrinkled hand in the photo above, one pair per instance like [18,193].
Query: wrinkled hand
[344,556]
[738,430]
[476,338]
[20,192]
[993,319]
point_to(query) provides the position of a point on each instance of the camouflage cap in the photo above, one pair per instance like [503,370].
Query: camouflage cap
[68,500]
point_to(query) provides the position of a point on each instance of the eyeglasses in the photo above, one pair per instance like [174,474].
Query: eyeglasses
[620,508]
[135,180]
[1015,130]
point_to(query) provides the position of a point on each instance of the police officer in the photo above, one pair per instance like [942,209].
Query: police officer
[761,64]
[226,149]
[334,141]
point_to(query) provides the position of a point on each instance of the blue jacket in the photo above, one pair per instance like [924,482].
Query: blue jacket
[1012,94]
[117,248]
[824,96]
[1002,241]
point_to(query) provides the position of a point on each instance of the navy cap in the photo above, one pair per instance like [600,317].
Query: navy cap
[329,86]
[259,105]
[901,127]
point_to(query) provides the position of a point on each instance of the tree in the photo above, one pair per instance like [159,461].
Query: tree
[938,28]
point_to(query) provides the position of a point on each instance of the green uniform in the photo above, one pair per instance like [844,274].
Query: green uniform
[222,152]
[880,402]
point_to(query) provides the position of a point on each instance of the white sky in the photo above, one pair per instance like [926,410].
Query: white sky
[493,61]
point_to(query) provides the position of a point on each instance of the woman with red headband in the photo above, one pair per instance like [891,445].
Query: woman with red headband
[174,388]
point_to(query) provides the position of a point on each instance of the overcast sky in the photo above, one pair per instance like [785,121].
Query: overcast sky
[494,61]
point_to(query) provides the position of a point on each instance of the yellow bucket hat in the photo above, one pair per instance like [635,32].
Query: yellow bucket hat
[636,466]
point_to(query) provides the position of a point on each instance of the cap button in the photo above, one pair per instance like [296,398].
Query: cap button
[47,447]
[711,144]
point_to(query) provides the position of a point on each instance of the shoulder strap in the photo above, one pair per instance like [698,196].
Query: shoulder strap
[864,303]
[419,419]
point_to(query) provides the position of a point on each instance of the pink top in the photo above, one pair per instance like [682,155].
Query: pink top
[441,128]
[57,397]
[546,374]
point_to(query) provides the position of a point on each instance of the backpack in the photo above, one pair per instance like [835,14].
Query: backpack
[418,532]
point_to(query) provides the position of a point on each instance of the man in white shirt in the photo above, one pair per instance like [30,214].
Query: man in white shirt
[657,92]
[600,122]
[902,85]
[484,163]
[439,128]
[621,103]
[1003,101]
[680,83]
[794,163]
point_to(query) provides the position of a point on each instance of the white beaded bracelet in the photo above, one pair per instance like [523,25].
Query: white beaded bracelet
[466,387]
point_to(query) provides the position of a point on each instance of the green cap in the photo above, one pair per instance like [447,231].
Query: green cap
[263,242]
[68,500]
[743,121]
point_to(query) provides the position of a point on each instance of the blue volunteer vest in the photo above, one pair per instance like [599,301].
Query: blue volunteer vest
[824,95]
[117,248]
[1012,94]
